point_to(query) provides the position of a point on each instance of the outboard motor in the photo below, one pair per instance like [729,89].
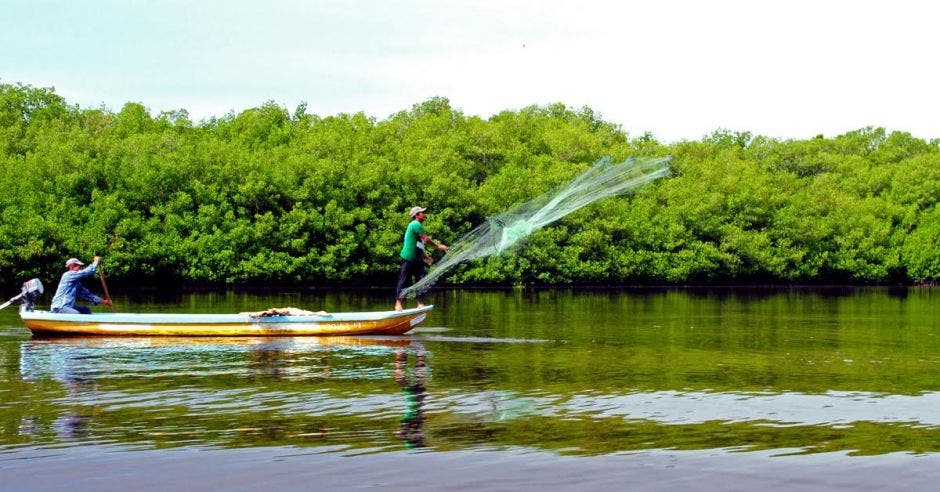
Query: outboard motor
[32,290]
[29,294]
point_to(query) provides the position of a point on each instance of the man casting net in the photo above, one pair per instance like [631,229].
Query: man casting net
[499,234]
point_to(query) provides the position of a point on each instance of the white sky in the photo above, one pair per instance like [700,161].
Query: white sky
[678,69]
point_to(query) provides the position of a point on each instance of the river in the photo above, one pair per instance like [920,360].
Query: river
[651,389]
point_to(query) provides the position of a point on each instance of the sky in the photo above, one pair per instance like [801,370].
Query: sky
[677,69]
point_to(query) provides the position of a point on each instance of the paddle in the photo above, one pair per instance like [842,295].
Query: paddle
[104,286]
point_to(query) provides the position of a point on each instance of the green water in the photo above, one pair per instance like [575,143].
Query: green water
[568,372]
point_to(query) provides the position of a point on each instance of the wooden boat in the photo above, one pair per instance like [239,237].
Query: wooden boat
[45,323]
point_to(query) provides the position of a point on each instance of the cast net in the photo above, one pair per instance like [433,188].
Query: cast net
[502,232]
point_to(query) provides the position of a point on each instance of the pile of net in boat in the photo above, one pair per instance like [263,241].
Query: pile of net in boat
[285,311]
[501,233]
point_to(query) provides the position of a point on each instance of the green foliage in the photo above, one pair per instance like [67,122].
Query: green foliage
[270,195]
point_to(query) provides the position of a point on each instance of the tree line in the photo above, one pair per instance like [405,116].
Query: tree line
[270,195]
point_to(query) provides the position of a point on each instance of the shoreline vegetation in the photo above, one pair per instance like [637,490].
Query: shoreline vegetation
[270,196]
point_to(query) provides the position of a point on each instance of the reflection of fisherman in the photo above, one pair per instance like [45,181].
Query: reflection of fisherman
[74,367]
[411,431]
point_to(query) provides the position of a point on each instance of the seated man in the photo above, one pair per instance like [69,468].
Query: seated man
[70,288]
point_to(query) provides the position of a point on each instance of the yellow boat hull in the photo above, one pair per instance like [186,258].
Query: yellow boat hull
[43,323]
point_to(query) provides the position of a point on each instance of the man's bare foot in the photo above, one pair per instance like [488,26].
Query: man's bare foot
[398,306]
[420,305]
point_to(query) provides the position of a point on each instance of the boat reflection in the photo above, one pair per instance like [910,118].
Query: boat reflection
[143,389]
[293,342]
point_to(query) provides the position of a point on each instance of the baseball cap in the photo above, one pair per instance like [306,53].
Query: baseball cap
[73,261]
[416,210]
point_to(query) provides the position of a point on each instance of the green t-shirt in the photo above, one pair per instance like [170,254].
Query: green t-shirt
[412,235]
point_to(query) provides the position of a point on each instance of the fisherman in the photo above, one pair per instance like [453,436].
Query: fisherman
[412,262]
[71,289]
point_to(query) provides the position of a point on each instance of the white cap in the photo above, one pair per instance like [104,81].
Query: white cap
[73,261]
[416,210]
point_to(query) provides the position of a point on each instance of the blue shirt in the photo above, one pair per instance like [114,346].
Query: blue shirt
[70,288]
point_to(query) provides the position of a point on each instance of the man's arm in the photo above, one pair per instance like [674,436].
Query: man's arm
[88,271]
[428,240]
[84,294]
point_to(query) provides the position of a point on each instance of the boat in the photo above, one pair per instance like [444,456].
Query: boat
[45,323]
[279,322]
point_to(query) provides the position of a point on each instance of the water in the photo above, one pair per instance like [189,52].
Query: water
[716,381]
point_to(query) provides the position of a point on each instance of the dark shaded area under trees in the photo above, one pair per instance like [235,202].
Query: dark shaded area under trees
[269,196]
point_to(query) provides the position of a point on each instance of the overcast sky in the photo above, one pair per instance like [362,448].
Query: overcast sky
[677,69]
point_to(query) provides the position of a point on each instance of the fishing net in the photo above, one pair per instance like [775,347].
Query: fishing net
[500,233]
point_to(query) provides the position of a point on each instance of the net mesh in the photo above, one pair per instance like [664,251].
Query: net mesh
[502,232]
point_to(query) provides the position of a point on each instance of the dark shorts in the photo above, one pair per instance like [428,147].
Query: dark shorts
[409,270]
